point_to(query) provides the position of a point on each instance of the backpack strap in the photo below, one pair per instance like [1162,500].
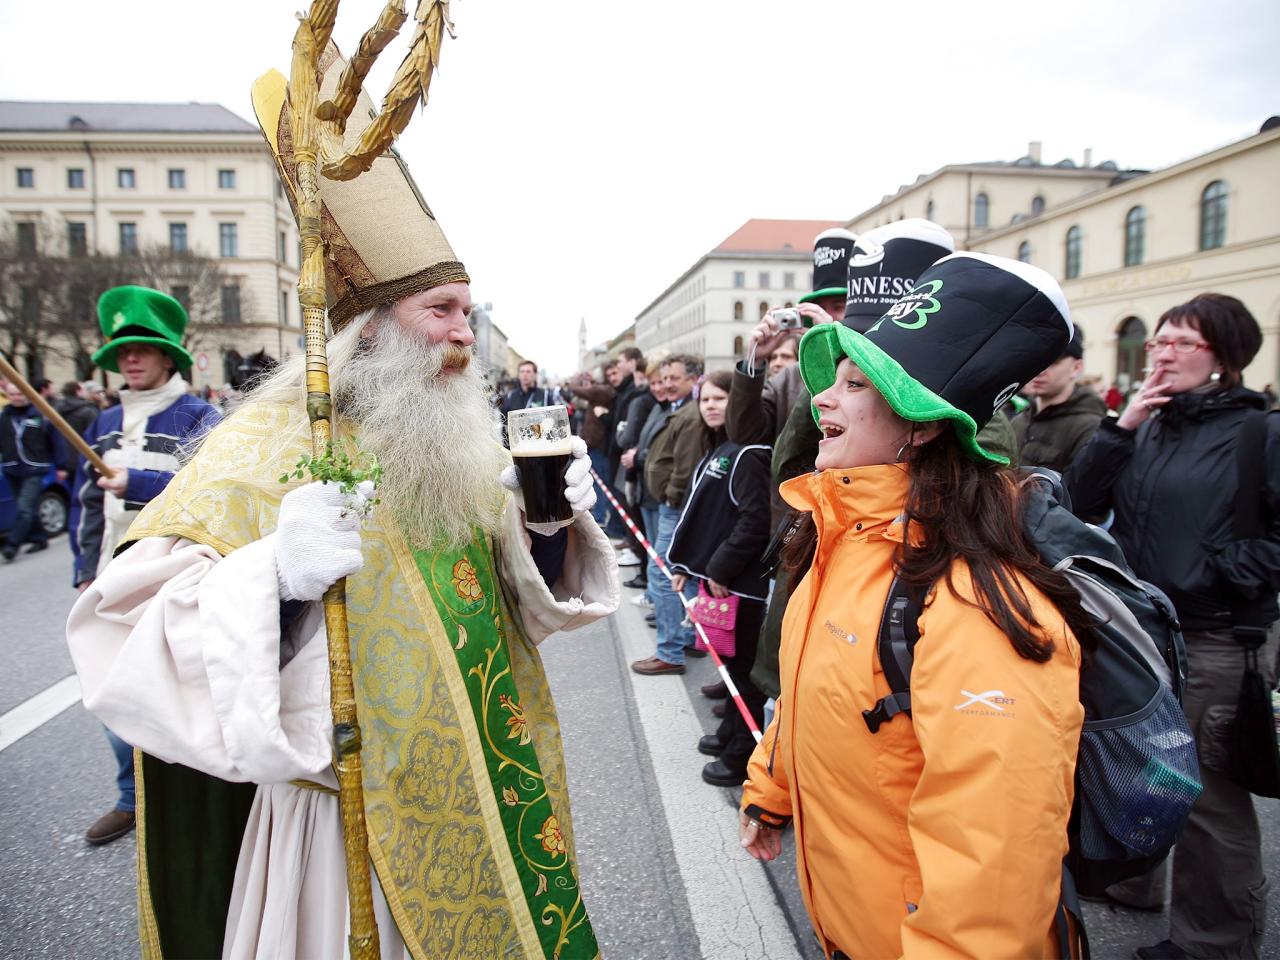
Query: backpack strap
[1068,918]
[896,645]
[1248,619]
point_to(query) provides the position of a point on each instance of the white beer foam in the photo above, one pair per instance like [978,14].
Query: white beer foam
[533,447]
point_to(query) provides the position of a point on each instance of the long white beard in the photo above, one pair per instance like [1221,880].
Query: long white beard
[434,433]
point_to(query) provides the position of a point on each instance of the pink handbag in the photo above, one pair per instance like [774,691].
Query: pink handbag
[717,616]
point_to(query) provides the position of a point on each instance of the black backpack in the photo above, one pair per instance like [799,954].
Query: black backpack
[1137,775]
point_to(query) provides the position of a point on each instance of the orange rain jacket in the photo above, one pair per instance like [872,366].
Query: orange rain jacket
[943,834]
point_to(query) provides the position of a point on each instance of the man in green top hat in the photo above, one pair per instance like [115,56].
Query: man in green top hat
[142,316]
[140,440]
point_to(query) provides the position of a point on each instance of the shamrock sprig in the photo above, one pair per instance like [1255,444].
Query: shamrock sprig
[336,466]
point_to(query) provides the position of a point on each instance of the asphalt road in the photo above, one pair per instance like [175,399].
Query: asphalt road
[661,872]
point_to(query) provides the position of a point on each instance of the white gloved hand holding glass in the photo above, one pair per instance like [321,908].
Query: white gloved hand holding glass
[579,490]
[318,538]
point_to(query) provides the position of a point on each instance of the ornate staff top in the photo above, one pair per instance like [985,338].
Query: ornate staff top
[380,239]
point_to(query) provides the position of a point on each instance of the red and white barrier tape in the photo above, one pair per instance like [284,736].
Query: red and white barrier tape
[653,555]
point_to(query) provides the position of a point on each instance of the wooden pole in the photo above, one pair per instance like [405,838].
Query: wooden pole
[13,376]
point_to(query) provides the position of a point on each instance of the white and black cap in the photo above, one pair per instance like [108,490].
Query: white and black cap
[885,263]
[831,249]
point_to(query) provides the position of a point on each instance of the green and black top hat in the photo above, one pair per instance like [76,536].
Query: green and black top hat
[831,249]
[885,263]
[973,330]
[132,314]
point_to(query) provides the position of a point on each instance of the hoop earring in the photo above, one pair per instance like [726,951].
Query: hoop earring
[906,446]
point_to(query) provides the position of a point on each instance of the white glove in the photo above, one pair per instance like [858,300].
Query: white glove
[318,538]
[579,490]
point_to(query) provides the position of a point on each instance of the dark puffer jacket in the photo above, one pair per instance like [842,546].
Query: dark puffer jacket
[1053,436]
[1173,485]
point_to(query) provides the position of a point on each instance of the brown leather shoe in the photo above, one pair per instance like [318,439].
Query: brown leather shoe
[653,667]
[715,691]
[110,826]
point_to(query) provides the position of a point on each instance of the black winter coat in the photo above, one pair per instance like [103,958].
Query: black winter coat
[1173,484]
[724,526]
[27,445]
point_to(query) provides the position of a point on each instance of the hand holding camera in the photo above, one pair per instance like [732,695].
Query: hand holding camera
[778,324]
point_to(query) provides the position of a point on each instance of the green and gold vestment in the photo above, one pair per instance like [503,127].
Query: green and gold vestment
[465,795]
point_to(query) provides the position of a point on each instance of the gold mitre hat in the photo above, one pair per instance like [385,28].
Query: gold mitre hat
[381,240]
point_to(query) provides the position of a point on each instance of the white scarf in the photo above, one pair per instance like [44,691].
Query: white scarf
[138,407]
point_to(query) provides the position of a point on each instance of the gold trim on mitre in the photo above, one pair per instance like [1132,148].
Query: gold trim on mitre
[381,240]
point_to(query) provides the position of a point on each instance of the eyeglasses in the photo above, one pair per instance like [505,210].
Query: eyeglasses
[1179,346]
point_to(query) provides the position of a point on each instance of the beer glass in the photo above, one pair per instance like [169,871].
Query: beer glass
[539,439]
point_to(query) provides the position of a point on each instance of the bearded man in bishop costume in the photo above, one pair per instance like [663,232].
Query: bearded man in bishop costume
[202,643]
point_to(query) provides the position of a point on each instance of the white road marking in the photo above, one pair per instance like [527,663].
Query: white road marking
[40,709]
[735,912]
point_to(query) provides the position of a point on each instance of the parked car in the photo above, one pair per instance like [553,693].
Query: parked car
[53,508]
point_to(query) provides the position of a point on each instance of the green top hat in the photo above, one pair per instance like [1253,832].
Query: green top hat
[140,315]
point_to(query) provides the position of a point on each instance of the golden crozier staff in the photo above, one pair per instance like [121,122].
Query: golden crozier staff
[317,151]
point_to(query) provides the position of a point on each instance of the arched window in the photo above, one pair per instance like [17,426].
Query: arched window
[737,310]
[1071,269]
[1213,216]
[764,308]
[737,346]
[1131,355]
[928,210]
[1024,251]
[980,210]
[1135,236]
[1037,205]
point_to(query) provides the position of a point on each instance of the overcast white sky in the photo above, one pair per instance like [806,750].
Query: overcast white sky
[582,154]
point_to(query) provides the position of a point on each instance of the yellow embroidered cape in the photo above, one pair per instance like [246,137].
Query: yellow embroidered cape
[465,795]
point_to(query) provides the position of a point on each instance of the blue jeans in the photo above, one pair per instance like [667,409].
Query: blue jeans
[600,512]
[650,516]
[124,771]
[673,637]
[27,525]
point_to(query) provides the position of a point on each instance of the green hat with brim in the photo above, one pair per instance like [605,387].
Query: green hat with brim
[131,314]
[972,331]
[824,346]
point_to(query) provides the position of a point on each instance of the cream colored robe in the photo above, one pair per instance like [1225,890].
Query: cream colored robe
[179,652]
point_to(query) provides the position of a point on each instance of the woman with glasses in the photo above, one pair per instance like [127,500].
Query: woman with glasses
[1169,468]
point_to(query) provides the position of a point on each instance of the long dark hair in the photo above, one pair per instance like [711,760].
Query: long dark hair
[970,511]
[713,438]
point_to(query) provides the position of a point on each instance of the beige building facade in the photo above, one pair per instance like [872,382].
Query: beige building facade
[1125,244]
[1127,253]
[971,199]
[112,178]
[712,306]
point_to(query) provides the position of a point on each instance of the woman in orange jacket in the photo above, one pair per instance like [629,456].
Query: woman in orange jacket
[943,833]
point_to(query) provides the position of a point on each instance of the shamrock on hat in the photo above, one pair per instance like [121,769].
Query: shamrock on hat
[132,314]
[973,330]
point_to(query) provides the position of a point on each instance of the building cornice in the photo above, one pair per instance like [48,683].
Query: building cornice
[1169,272]
[1131,186]
[134,143]
[1063,173]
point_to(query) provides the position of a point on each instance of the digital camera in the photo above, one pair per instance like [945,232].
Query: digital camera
[789,318]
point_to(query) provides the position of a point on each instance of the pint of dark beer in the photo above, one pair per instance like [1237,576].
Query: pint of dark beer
[539,438]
